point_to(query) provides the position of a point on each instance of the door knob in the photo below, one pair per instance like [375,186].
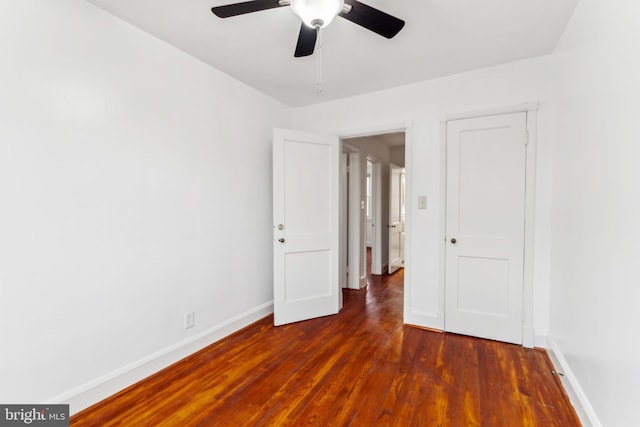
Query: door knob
[281,240]
[453,241]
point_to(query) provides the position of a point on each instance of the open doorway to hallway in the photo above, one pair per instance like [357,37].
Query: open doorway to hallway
[375,216]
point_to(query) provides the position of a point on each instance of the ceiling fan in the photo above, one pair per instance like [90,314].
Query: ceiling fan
[316,14]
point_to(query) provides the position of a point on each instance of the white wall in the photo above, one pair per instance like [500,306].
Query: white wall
[424,105]
[127,196]
[134,186]
[595,277]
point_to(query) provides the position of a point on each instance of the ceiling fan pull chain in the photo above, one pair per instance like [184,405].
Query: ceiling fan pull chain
[319,88]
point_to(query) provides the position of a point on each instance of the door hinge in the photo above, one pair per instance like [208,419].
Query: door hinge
[526,137]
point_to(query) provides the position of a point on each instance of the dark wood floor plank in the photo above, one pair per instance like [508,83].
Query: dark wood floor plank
[332,393]
[362,367]
[398,398]
[423,389]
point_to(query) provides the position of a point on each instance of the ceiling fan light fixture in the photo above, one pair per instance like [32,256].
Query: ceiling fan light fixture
[317,13]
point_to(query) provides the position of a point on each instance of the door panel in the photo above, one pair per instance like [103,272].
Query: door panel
[494,274]
[486,159]
[308,275]
[306,171]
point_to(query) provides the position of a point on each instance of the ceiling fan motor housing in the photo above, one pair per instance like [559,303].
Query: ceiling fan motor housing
[317,13]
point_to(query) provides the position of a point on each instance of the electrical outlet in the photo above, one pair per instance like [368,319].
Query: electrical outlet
[189,319]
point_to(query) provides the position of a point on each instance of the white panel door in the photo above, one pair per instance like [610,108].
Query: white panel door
[486,160]
[306,170]
[395,218]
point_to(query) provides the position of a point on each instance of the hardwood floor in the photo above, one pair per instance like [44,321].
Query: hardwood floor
[362,367]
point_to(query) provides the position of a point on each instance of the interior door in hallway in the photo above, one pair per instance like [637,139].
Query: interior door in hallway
[306,172]
[486,165]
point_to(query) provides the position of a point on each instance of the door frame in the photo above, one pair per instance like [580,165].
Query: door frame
[400,201]
[351,232]
[344,217]
[531,109]
[407,128]
[376,190]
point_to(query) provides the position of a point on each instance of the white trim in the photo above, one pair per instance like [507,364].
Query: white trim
[346,181]
[87,394]
[531,108]
[376,189]
[408,221]
[529,226]
[578,398]
[442,235]
[528,334]
[377,130]
[540,341]
[518,108]
[344,280]
[376,252]
[391,167]
[407,128]
[355,216]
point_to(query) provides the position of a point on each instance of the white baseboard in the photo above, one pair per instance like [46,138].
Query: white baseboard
[577,395]
[104,386]
[528,337]
[540,341]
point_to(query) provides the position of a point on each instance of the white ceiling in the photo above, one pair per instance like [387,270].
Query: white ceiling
[441,37]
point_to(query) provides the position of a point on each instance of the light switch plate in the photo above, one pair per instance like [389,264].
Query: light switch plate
[422,202]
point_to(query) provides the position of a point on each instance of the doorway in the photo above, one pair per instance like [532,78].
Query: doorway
[340,162]
[308,237]
[376,220]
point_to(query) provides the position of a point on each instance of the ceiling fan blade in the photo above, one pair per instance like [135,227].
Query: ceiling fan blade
[236,9]
[306,41]
[372,19]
